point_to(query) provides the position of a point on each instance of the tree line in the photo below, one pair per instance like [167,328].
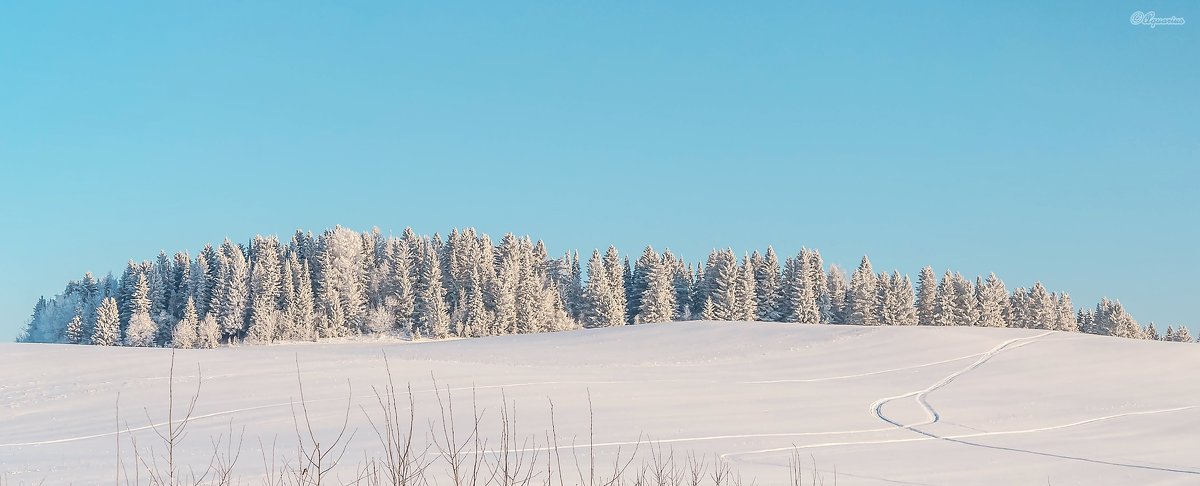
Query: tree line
[343,283]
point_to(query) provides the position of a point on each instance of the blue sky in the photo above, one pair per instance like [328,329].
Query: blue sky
[1042,142]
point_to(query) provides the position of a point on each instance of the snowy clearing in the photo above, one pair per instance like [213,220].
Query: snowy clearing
[880,405]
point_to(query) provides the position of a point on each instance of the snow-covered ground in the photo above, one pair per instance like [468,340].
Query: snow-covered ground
[880,405]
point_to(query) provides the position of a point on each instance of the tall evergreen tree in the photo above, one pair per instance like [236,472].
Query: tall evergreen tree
[767,276]
[927,297]
[431,316]
[992,300]
[107,331]
[835,281]
[862,295]
[186,331]
[74,333]
[657,301]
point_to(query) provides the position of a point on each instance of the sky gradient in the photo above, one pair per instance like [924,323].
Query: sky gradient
[1042,142]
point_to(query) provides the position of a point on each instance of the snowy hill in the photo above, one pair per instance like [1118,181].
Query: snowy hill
[908,405]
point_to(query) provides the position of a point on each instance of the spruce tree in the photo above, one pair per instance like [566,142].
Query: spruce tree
[107,331]
[992,300]
[74,331]
[838,287]
[767,291]
[604,307]
[862,295]
[746,308]
[233,291]
[657,301]
[430,314]
[927,297]
[187,330]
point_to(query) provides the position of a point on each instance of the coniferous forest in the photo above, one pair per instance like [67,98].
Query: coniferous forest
[344,283]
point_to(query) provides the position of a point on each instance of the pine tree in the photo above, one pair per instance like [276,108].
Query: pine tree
[1182,335]
[927,297]
[862,295]
[108,324]
[208,334]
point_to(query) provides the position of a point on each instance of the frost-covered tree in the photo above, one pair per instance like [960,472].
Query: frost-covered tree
[107,331]
[1179,334]
[721,283]
[992,301]
[1111,319]
[682,281]
[709,311]
[265,282]
[638,280]
[187,330]
[897,307]
[657,300]
[208,333]
[799,294]
[835,281]
[341,270]
[746,306]
[1040,309]
[927,297]
[767,288]
[502,293]
[1065,313]
[74,333]
[860,300]
[233,290]
[431,315]
[142,330]
[615,270]
[604,306]
[1151,333]
[814,276]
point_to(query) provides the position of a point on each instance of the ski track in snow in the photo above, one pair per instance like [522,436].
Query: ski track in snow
[933,417]
[921,395]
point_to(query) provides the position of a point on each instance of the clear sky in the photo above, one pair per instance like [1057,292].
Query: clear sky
[1042,141]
